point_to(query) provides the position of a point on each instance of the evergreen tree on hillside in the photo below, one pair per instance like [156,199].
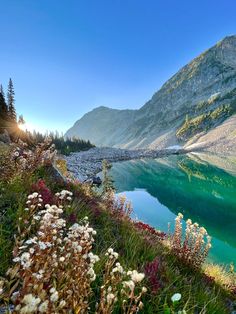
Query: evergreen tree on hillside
[11,102]
[2,91]
[21,120]
[3,110]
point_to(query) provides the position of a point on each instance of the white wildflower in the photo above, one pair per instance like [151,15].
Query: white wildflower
[144,289]
[62,303]
[130,284]
[176,297]
[31,304]
[110,298]
[135,276]
[54,297]
[43,307]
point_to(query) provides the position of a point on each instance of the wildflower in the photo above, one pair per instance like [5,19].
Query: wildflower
[42,245]
[135,276]
[31,304]
[15,295]
[54,297]
[193,249]
[130,284]
[25,260]
[110,297]
[118,268]
[144,289]
[93,258]
[62,303]
[52,290]
[176,297]
[43,307]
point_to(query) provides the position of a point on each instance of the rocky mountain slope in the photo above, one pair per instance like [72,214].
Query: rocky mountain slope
[197,99]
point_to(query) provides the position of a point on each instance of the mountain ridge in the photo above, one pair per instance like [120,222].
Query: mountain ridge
[156,123]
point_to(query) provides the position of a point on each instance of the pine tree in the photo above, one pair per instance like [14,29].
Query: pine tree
[11,102]
[3,110]
[2,91]
[21,120]
[107,181]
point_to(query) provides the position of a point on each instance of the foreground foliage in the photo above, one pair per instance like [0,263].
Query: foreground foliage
[65,249]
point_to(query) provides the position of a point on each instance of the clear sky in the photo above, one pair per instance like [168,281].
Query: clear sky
[67,57]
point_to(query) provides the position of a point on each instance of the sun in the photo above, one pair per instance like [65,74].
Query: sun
[22,127]
[26,127]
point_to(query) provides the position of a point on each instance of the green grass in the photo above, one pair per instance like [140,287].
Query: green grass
[204,121]
[135,249]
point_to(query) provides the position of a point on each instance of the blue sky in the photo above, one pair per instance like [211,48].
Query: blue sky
[67,57]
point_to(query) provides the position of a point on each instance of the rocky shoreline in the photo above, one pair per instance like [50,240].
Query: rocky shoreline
[85,165]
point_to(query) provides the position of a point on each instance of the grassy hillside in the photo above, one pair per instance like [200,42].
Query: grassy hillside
[85,254]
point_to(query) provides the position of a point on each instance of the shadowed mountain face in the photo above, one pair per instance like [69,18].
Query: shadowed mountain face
[197,90]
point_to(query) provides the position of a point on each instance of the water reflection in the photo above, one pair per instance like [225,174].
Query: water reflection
[189,184]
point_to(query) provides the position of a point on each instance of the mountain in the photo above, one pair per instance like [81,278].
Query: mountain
[197,99]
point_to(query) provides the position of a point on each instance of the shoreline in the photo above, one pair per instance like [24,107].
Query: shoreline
[85,165]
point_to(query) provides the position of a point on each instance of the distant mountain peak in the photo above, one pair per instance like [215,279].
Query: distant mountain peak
[206,84]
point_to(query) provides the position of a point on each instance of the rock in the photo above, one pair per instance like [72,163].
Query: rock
[5,138]
[86,164]
[97,180]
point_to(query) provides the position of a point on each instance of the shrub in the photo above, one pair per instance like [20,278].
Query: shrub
[44,191]
[151,270]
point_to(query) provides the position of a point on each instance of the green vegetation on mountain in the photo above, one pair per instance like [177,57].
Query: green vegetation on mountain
[204,122]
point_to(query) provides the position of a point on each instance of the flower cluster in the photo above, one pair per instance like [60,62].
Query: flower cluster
[147,228]
[119,284]
[194,247]
[20,160]
[121,208]
[151,270]
[54,265]
[44,191]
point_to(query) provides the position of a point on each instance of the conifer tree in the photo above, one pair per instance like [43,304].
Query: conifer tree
[2,91]
[11,102]
[21,120]
[107,181]
[3,110]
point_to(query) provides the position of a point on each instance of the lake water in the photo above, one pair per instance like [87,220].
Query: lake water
[201,187]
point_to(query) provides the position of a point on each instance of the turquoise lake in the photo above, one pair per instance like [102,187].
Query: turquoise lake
[201,187]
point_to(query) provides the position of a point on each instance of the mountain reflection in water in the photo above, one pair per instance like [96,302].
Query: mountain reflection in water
[195,185]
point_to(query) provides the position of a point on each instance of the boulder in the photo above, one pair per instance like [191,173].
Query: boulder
[5,138]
